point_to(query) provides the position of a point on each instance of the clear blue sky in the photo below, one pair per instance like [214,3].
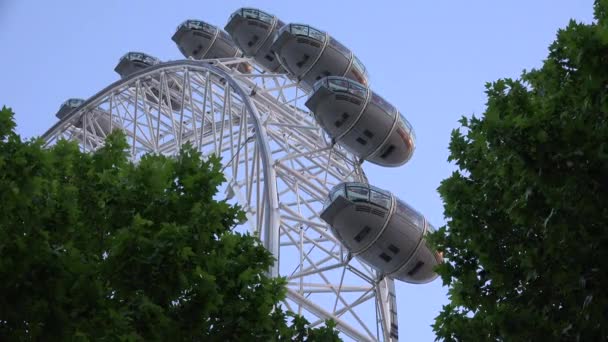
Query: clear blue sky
[431,59]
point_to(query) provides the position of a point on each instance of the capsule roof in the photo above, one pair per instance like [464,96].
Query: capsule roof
[73,102]
[361,192]
[253,13]
[305,30]
[200,25]
[132,62]
[67,106]
[345,85]
[140,57]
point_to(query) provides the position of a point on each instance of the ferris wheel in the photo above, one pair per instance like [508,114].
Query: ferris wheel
[289,110]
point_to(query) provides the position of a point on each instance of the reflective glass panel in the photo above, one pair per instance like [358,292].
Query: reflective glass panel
[382,103]
[265,17]
[136,56]
[357,193]
[408,126]
[356,89]
[338,84]
[359,66]
[387,193]
[301,30]
[380,198]
[338,46]
[207,27]
[73,102]
[250,13]
[320,83]
[409,214]
[316,34]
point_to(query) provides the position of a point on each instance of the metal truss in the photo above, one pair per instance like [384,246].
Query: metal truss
[279,165]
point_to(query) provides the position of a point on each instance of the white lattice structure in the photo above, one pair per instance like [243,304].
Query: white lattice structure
[279,164]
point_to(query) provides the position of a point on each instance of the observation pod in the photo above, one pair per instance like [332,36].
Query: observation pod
[363,122]
[198,40]
[132,62]
[382,231]
[253,31]
[68,106]
[309,55]
[97,124]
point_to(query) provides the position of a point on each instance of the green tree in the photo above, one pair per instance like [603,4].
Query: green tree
[94,247]
[526,238]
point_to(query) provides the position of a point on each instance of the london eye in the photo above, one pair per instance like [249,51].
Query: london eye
[292,114]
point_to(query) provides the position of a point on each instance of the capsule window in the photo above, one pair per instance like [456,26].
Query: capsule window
[385,257]
[368,134]
[298,29]
[339,122]
[409,214]
[387,152]
[304,60]
[362,141]
[338,84]
[394,249]
[338,46]
[380,199]
[357,90]
[416,268]
[253,40]
[316,34]
[358,193]
[362,234]
[269,58]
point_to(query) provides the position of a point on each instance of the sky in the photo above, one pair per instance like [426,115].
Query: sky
[429,58]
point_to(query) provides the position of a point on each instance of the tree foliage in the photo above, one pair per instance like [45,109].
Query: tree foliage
[527,210]
[94,247]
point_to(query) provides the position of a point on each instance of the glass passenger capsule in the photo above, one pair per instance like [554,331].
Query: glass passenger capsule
[362,121]
[382,231]
[132,62]
[309,54]
[68,106]
[200,40]
[253,31]
[98,122]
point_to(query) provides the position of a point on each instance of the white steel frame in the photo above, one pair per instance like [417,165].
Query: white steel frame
[279,165]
